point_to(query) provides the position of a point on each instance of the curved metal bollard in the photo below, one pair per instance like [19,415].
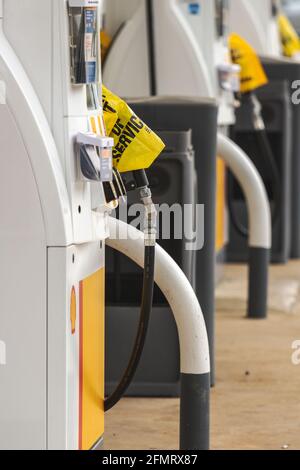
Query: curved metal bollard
[194,349]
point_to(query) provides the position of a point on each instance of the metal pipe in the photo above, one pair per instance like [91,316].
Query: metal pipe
[260,224]
[194,349]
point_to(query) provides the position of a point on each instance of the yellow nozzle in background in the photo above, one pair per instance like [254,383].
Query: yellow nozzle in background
[105,42]
[136,146]
[252,73]
[289,37]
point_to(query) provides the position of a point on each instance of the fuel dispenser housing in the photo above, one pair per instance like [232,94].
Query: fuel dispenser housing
[53,241]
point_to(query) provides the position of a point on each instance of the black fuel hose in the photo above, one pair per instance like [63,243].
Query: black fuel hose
[146,307]
[265,150]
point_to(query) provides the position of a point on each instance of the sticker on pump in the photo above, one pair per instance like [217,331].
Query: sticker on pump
[194,8]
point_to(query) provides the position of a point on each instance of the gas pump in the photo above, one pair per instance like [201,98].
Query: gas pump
[257,22]
[58,188]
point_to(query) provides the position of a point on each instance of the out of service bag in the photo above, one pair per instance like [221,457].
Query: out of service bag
[136,146]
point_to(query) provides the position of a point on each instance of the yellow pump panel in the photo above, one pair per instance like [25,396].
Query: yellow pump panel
[91,380]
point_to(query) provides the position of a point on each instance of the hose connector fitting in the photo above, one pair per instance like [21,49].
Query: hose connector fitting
[150,218]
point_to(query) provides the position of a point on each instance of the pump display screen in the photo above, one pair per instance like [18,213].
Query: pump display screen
[222,7]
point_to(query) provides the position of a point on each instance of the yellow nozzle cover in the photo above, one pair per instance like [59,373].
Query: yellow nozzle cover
[252,73]
[136,146]
[289,37]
